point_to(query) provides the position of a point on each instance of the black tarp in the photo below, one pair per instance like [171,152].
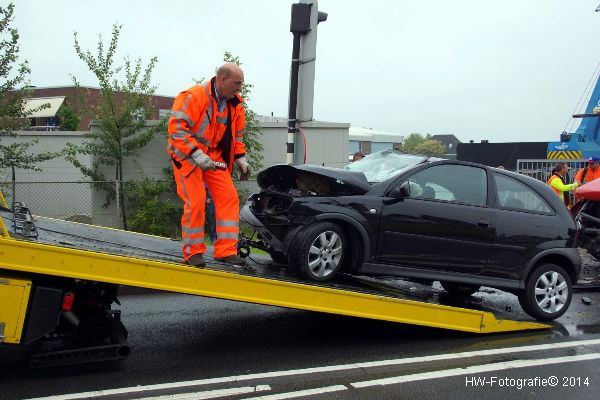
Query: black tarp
[505,154]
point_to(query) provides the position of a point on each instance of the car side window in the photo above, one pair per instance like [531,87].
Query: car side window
[450,182]
[513,195]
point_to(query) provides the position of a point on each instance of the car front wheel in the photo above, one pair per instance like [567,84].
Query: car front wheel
[547,293]
[318,250]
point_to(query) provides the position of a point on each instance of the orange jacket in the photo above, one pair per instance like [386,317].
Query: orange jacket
[589,176]
[197,124]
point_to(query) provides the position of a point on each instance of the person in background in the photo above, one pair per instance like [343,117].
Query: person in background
[357,156]
[557,182]
[590,172]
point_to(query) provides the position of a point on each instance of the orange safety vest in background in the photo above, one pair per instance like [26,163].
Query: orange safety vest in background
[590,175]
[197,124]
[564,196]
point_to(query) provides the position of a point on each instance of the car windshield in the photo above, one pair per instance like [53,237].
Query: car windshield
[381,165]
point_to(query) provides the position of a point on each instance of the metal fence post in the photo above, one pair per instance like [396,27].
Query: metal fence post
[118,193]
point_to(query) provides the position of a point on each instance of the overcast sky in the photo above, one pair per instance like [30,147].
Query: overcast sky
[510,70]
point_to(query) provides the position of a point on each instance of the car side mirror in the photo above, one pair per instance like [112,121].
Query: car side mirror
[399,192]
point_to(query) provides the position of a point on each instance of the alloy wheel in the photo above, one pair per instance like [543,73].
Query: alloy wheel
[325,254]
[551,292]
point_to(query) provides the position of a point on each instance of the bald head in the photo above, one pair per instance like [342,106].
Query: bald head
[229,80]
[229,68]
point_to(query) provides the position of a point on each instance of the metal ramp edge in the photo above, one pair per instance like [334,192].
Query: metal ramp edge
[36,258]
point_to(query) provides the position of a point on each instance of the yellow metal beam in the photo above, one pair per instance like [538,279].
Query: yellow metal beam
[2,225]
[3,202]
[44,259]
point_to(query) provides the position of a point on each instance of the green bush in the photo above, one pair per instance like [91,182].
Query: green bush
[153,208]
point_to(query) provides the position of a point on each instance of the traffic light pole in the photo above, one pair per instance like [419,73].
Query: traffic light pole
[304,21]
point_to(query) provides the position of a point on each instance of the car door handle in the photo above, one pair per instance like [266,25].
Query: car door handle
[483,223]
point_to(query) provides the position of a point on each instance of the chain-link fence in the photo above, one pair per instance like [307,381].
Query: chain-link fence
[147,206]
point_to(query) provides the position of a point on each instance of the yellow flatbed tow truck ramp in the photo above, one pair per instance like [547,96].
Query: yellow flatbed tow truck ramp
[59,280]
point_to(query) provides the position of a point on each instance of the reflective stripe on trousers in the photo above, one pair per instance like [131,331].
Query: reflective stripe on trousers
[191,191]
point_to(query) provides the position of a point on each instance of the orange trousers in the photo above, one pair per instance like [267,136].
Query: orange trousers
[192,193]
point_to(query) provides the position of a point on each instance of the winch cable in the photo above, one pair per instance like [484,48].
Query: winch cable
[585,95]
[304,139]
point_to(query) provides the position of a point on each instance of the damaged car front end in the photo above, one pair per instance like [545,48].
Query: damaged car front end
[298,202]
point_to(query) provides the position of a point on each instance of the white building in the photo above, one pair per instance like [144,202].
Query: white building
[369,141]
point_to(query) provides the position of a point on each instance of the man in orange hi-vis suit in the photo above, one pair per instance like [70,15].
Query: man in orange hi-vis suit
[205,140]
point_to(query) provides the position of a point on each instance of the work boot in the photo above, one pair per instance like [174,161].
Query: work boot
[197,260]
[236,261]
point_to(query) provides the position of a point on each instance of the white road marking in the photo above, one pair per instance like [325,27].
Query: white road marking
[211,394]
[333,368]
[300,393]
[476,369]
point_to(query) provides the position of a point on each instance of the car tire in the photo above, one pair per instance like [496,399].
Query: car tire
[547,293]
[458,289]
[278,257]
[317,252]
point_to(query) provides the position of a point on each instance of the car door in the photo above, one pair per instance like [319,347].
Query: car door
[525,222]
[444,223]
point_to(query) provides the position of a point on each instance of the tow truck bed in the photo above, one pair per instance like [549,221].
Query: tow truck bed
[85,252]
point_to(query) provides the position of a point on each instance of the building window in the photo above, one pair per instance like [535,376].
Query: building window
[378,146]
[353,146]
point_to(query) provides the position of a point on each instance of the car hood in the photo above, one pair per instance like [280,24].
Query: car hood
[589,191]
[314,180]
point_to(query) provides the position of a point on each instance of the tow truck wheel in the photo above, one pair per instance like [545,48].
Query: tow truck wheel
[547,293]
[317,252]
[458,289]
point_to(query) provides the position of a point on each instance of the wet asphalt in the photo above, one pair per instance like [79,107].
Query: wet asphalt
[180,338]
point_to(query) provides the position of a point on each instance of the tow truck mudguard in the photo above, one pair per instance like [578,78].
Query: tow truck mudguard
[44,312]
[14,295]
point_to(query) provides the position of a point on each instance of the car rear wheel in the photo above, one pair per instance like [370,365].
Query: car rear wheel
[318,251]
[547,293]
[458,289]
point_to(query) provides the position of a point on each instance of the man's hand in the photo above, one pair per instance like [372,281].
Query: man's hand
[203,161]
[244,168]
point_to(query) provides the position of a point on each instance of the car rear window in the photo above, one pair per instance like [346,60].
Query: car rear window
[513,195]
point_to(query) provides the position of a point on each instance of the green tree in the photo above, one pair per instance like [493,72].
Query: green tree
[430,147]
[121,116]
[68,119]
[252,131]
[14,97]
[411,142]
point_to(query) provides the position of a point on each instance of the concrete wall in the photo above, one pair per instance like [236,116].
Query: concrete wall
[326,142]
[50,199]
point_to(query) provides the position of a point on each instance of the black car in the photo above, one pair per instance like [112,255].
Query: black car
[463,224]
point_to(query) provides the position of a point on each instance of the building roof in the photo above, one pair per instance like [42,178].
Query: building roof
[449,138]
[372,135]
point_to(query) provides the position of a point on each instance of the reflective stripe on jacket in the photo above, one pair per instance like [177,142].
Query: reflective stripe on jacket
[197,124]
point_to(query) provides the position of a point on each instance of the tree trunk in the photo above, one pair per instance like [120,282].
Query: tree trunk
[121,195]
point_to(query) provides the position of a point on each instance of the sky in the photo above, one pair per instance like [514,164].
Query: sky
[508,70]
